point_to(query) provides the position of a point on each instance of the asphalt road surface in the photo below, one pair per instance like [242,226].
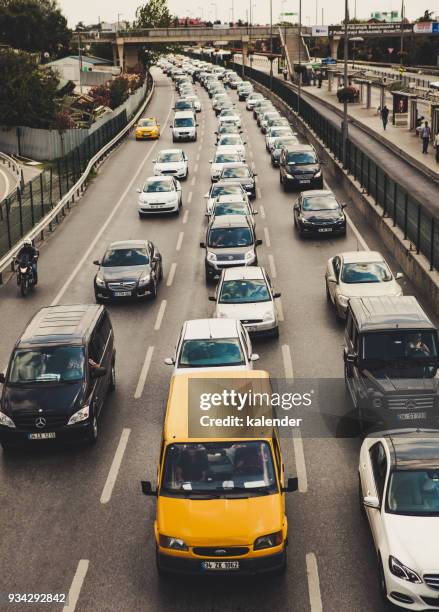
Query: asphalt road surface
[76,519]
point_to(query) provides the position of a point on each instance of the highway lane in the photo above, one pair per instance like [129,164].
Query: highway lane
[53,501]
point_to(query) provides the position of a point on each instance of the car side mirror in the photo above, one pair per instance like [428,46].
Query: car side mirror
[351,358]
[210,161]
[277,295]
[203,245]
[255,212]
[212,298]
[255,174]
[206,195]
[98,372]
[169,361]
[258,242]
[332,279]
[344,205]
[147,488]
[399,275]
[296,207]
[2,378]
[154,161]
[170,126]
[139,190]
[292,485]
[254,357]
[97,262]
[371,501]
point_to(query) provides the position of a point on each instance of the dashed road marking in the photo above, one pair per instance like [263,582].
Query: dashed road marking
[272,266]
[262,211]
[185,216]
[315,598]
[76,586]
[267,238]
[160,315]
[189,197]
[144,373]
[179,241]
[115,466]
[171,274]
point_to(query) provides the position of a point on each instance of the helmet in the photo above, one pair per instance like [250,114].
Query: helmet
[27,242]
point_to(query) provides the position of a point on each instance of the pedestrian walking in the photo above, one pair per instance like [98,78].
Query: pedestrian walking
[426,134]
[384,116]
[436,145]
[320,78]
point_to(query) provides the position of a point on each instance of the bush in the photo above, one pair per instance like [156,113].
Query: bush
[348,94]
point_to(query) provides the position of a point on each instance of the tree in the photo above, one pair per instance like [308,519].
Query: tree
[28,93]
[153,14]
[34,25]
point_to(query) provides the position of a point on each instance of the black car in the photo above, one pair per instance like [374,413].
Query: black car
[129,269]
[319,212]
[243,175]
[58,375]
[278,144]
[300,167]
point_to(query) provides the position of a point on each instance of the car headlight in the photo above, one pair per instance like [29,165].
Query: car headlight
[6,421]
[318,174]
[268,541]
[80,415]
[290,176]
[343,300]
[268,316]
[144,280]
[249,256]
[305,221]
[100,282]
[400,570]
[171,542]
[211,256]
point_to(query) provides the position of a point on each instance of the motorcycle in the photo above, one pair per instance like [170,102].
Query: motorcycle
[25,275]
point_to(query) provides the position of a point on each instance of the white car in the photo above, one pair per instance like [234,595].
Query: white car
[221,158]
[223,188]
[172,162]
[277,132]
[232,140]
[271,114]
[229,115]
[160,194]
[195,100]
[245,293]
[399,492]
[252,99]
[358,274]
[212,344]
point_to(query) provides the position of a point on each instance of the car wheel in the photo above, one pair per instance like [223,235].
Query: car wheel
[276,332]
[141,215]
[112,384]
[161,272]
[93,431]
[154,290]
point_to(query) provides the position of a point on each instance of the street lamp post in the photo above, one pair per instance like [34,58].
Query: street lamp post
[345,84]
[271,45]
[299,93]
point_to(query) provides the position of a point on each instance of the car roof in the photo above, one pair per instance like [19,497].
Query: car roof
[62,324]
[243,272]
[159,177]
[230,199]
[300,147]
[389,313]
[183,114]
[361,257]
[128,244]
[178,410]
[317,193]
[170,151]
[413,449]
[201,329]
[229,221]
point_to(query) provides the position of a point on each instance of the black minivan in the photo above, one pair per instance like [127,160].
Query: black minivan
[58,376]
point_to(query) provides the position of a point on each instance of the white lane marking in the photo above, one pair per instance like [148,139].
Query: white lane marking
[76,586]
[262,211]
[272,266]
[171,274]
[185,216]
[189,197]
[251,154]
[267,238]
[358,236]
[179,241]
[258,192]
[299,456]
[315,598]
[160,314]
[7,184]
[280,310]
[198,157]
[199,147]
[288,364]
[193,181]
[115,466]
[196,168]
[103,228]
[144,373]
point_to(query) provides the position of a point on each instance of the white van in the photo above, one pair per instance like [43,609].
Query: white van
[184,126]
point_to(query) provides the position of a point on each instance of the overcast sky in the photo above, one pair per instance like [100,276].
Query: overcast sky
[107,10]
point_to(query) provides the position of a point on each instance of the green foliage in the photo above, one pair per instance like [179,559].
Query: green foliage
[34,25]
[153,14]
[119,91]
[27,92]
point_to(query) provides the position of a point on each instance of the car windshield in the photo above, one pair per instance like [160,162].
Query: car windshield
[244,292]
[211,352]
[301,158]
[315,203]
[230,237]
[157,186]
[224,158]
[231,208]
[230,140]
[284,142]
[226,112]
[170,156]
[53,364]
[413,492]
[404,354]
[125,257]
[225,468]
[218,190]
[370,272]
[147,122]
[183,104]
[184,122]
[239,172]
[277,131]
[228,129]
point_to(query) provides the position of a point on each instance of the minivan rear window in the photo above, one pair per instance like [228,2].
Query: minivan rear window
[184,122]
[52,364]
[230,237]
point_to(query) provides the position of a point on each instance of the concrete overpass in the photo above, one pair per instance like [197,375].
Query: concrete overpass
[127,43]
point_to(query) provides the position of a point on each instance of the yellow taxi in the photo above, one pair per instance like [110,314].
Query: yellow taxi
[220,500]
[147,128]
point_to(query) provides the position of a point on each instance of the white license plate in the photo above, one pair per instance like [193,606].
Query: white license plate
[220,565]
[304,181]
[412,416]
[42,436]
[325,229]
[122,293]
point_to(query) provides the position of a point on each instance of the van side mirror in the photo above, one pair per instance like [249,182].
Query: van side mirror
[254,357]
[277,295]
[212,298]
[2,378]
[203,245]
[343,205]
[139,190]
[147,488]
[169,361]
[351,358]
[292,485]
[399,275]
[97,262]
[258,242]
[371,501]
[332,279]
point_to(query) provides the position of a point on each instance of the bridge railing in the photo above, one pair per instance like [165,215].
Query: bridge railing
[182,33]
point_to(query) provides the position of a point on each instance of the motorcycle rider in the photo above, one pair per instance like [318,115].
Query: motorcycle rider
[29,252]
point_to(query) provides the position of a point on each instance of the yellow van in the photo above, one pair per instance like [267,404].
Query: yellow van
[220,500]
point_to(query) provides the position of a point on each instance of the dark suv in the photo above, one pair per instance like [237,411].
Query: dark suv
[58,375]
[300,168]
[391,360]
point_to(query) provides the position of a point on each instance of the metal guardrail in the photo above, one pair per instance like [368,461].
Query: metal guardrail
[14,166]
[182,33]
[52,217]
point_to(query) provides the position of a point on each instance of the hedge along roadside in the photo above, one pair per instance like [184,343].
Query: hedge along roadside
[52,217]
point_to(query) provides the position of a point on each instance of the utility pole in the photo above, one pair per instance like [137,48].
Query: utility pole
[271,45]
[401,50]
[80,61]
[345,84]
[300,57]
